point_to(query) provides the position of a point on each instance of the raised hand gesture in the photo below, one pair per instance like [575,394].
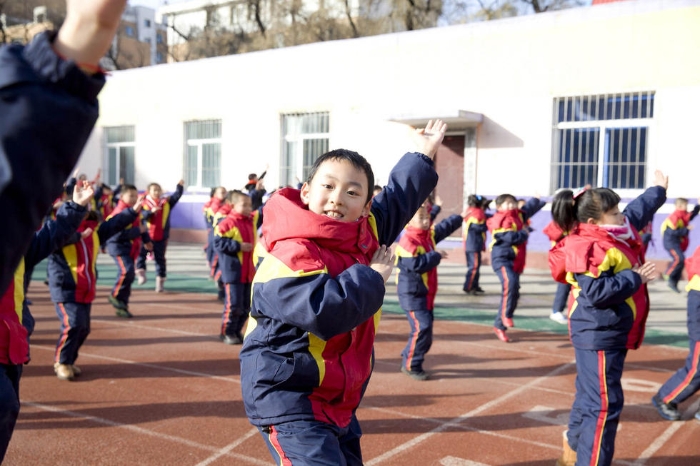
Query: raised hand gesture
[646,271]
[82,193]
[660,179]
[383,262]
[427,140]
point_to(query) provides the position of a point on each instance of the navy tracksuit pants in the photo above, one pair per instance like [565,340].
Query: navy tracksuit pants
[510,293]
[125,277]
[158,255]
[9,403]
[419,340]
[314,443]
[595,413]
[675,268]
[686,381]
[561,297]
[236,308]
[471,280]
[75,327]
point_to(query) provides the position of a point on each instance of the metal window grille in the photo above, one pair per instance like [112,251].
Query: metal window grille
[202,164]
[121,154]
[601,140]
[305,138]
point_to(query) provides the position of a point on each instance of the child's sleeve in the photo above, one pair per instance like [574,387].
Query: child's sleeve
[410,183]
[175,197]
[641,210]
[434,212]
[55,233]
[303,295]
[532,206]
[225,241]
[609,290]
[510,237]
[421,263]
[446,227]
[695,212]
[116,224]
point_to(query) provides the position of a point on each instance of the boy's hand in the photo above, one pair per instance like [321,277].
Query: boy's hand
[438,201]
[660,179]
[139,203]
[82,193]
[647,271]
[181,183]
[148,246]
[383,262]
[88,30]
[442,253]
[86,232]
[246,247]
[428,139]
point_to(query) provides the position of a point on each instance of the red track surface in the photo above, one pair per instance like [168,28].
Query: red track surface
[161,389]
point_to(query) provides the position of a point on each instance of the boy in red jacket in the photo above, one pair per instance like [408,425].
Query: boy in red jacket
[675,237]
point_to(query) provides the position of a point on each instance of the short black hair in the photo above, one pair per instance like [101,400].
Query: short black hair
[505,197]
[129,187]
[354,158]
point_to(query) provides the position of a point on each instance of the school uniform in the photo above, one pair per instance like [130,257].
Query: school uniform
[674,231]
[474,240]
[607,319]
[686,381]
[237,268]
[509,234]
[417,284]
[561,296]
[156,213]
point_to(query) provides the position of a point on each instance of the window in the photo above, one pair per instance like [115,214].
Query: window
[159,57]
[147,23]
[202,153]
[305,138]
[129,31]
[159,39]
[602,140]
[121,150]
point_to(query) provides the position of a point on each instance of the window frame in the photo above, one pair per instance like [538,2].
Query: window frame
[199,143]
[288,173]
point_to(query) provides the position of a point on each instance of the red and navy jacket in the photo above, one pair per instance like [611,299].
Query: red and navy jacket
[48,108]
[417,262]
[692,266]
[14,346]
[236,266]
[509,234]
[675,228]
[611,305]
[156,213]
[308,350]
[554,233]
[128,241]
[72,269]
[209,210]
[474,231]
[105,205]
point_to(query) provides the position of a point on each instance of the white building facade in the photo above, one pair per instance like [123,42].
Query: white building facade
[601,95]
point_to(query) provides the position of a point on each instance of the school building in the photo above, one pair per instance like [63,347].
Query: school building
[601,95]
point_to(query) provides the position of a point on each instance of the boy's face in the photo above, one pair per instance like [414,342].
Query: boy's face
[155,191]
[421,219]
[508,204]
[243,206]
[129,197]
[681,205]
[338,190]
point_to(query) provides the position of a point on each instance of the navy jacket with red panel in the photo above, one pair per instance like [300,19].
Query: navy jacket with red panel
[48,108]
[236,266]
[610,303]
[127,242]
[417,262]
[156,213]
[475,230]
[692,266]
[674,229]
[14,347]
[72,269]
[509,234]
[308,351]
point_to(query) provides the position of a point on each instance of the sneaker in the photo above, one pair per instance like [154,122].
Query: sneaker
[501,334]
[116,303]
[63,371]
[668,411]
[664,277]
[232,340]
[478,290]
[674,287]
[417,375]
[558,317]
[159,284]
[141,276]
[508,322]
[124,313]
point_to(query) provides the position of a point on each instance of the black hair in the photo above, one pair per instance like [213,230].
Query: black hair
[568,210]
[503,198]
[234,196]
[252,176]
[377,188]
[354,158]
[92,215]
[474,200]
[129,187]
[212,191]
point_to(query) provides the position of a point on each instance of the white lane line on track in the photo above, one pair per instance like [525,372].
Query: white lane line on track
[421,438]
[142,431]
[227,449]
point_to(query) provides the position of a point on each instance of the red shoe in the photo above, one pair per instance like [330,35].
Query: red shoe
[501,334]
[508,322]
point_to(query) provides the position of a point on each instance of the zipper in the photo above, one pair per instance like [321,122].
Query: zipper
[87,265]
